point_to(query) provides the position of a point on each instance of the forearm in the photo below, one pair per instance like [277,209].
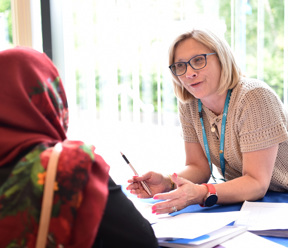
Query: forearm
[195,174]
[239,190]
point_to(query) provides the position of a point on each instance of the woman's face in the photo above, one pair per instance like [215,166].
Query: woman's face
[202,84]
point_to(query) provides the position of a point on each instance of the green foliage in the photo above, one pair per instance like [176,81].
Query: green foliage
[273,47]
[5,5]
[273,40]
[5,8]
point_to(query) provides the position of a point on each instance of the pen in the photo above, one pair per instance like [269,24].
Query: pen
[144,184]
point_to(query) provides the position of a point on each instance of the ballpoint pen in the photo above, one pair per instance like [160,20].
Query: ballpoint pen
[144,184]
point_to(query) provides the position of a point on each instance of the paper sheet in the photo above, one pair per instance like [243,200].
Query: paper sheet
[193,225]
[247,240]
[146,210]
[263,215]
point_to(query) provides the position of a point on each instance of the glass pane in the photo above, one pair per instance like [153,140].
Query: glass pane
[5,25]
[119,50]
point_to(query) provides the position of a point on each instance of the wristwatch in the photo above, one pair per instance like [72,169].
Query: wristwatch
[211,198]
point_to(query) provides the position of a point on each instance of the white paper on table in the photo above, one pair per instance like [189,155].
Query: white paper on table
[146,210]
[247,240]
[193,225]
[263,216]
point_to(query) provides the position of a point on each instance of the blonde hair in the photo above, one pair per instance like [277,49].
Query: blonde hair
[230,72]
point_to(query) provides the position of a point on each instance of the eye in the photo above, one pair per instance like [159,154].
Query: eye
[179,65]
[198,60]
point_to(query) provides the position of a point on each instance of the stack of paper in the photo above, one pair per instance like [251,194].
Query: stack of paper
[247,240]
[197,229]
[206,230]
[265,218]
[192,225]
[205,241]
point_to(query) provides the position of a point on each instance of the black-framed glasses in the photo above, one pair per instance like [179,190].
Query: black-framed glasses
[197,62]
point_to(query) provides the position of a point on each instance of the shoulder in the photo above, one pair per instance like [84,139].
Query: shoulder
[76,153]
[81,153]
[71,148]
[256,94]
[78,147]
[187,108]
[252,88]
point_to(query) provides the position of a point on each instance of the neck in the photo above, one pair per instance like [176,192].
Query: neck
[215,103]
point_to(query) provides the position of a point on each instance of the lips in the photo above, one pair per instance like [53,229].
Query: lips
[195,84]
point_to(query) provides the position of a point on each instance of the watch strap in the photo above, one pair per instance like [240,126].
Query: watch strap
[211,188]
[211,191]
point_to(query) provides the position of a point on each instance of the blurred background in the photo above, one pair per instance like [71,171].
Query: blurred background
[112,56]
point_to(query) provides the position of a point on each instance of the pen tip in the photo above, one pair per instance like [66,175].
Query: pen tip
[121,153]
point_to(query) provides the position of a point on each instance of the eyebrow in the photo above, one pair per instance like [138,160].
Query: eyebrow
[183,60]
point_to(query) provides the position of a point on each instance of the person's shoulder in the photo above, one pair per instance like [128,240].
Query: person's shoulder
[252,87]
[78,148]
[252,83]
[191,103]
[256,97]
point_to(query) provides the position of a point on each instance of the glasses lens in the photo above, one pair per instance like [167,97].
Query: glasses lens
[198,62]
[179,68]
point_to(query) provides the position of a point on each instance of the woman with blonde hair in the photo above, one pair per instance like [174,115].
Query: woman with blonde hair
[235,123]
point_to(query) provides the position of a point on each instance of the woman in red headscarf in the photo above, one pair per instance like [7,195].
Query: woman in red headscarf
[33,118]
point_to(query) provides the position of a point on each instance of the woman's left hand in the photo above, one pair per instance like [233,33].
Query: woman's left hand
[185,194]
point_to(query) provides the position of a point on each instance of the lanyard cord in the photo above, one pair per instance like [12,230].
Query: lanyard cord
[222,138]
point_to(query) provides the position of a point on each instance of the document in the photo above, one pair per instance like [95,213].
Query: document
[192,225]
[206,241]
[247,240]
[265,218]
[145,208]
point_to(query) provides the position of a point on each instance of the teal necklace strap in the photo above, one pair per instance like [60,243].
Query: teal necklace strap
[222,138]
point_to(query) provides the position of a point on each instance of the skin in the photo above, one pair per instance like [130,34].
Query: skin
[257,166]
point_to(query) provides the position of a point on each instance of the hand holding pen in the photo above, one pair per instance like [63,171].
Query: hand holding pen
[143,183]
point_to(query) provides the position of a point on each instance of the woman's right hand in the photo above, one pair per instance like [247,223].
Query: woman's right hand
[156,182]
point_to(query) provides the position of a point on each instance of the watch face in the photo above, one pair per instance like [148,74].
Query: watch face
[211,200]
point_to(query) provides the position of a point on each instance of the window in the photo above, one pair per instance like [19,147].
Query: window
[113,58]
[20,24]
[5,25]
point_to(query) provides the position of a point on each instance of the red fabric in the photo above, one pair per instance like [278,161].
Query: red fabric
[33,117]
[27,117]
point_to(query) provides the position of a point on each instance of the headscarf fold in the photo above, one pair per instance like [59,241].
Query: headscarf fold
[34,117]
[33,104]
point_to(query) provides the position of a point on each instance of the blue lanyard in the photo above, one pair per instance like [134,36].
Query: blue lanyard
[222,138]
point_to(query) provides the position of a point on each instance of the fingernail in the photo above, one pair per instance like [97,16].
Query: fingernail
[153,211]
[155,197]
[175,175]
[153,208]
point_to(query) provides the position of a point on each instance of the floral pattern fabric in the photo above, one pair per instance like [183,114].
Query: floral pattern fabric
[33,118]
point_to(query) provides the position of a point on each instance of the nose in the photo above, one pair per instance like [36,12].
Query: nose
[191,73]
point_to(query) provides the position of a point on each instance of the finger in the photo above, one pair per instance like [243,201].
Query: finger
[164,208]
[135,179]
[166,196]
[139,193]
[174,178]
[139,178]
[136,188]
[178,180]
[133,186]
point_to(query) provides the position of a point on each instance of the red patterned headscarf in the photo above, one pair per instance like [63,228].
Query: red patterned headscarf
[33,105]
[34,117]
